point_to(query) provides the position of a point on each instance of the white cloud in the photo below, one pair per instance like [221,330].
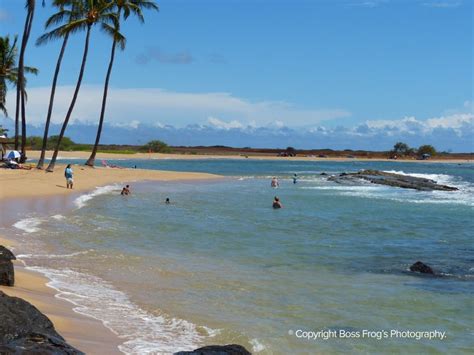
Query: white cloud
[219,124]
[176,108]
[370,3]
[411,125]
[443,4]
[132,124]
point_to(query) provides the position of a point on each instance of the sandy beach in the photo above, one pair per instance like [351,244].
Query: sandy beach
[140,156]
[85,333]
[28,183]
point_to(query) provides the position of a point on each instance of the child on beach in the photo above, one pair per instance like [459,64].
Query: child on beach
[68,176]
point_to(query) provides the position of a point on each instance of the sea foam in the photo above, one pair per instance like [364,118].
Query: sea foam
[29,225]
[143,332]
[82,200]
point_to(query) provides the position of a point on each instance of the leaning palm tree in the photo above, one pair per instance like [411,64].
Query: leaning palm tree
[8,69]
[126,7]
[70,12]
[91,13]
[20,89]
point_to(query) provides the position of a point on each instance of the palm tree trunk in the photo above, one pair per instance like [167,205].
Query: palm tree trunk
[51,102]
[31,9]
[73,102]
[91,159]
[21,72]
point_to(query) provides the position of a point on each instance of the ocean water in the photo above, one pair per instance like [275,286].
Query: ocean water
[219,265]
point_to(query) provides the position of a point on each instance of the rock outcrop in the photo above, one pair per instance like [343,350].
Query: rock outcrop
[391,179]
[232,349]
[7,273]
[25,330]
[421,268]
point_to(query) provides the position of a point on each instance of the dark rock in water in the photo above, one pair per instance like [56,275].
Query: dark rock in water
[7,273]
[25,330]
[391,179]
[232,349]
[324,174]
[6,254]
[422,268]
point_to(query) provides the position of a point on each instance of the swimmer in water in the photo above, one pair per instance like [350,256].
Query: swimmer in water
[167,201]
[126,191]
[295,179]
[276,203]
[274,183]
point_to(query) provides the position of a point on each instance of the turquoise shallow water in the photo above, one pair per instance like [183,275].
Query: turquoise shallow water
[219,265]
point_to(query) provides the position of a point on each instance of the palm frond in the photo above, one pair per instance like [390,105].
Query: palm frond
[58,18]
[31,70]
[119,39]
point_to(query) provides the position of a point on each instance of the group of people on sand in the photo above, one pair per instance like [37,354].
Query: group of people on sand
[276,184]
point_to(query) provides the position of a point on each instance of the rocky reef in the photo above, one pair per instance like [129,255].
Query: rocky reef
[7,272]
[421,268]
[232,349]
[390,179]
[25,330]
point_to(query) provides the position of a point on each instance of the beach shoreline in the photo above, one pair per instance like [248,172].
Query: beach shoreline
[34,188]
[167,156]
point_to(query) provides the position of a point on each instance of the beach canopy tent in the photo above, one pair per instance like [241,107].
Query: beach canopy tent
[4,142]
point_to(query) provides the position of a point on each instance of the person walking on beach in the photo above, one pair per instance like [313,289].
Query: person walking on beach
[68,176]
[126,191]
[275,184]
[276,203]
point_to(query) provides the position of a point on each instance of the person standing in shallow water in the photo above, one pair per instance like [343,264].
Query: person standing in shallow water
[276,203]
[68,175]
[275,184]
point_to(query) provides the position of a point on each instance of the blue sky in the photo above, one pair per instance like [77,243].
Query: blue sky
[357,67]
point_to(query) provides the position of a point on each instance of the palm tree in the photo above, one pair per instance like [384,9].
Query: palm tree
[20,88]
[128,7]
[71,14]
[91,12]
[8,69]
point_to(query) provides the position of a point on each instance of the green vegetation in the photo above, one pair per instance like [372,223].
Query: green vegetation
[401,149]
[156,146]
[3,130]
[426,149]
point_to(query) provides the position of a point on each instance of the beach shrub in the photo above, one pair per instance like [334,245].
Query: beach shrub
[426,149]
[156,146]
[3,130]
[401,148]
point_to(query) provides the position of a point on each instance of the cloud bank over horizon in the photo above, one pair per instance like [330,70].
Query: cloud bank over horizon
[136,116]
[450,133]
